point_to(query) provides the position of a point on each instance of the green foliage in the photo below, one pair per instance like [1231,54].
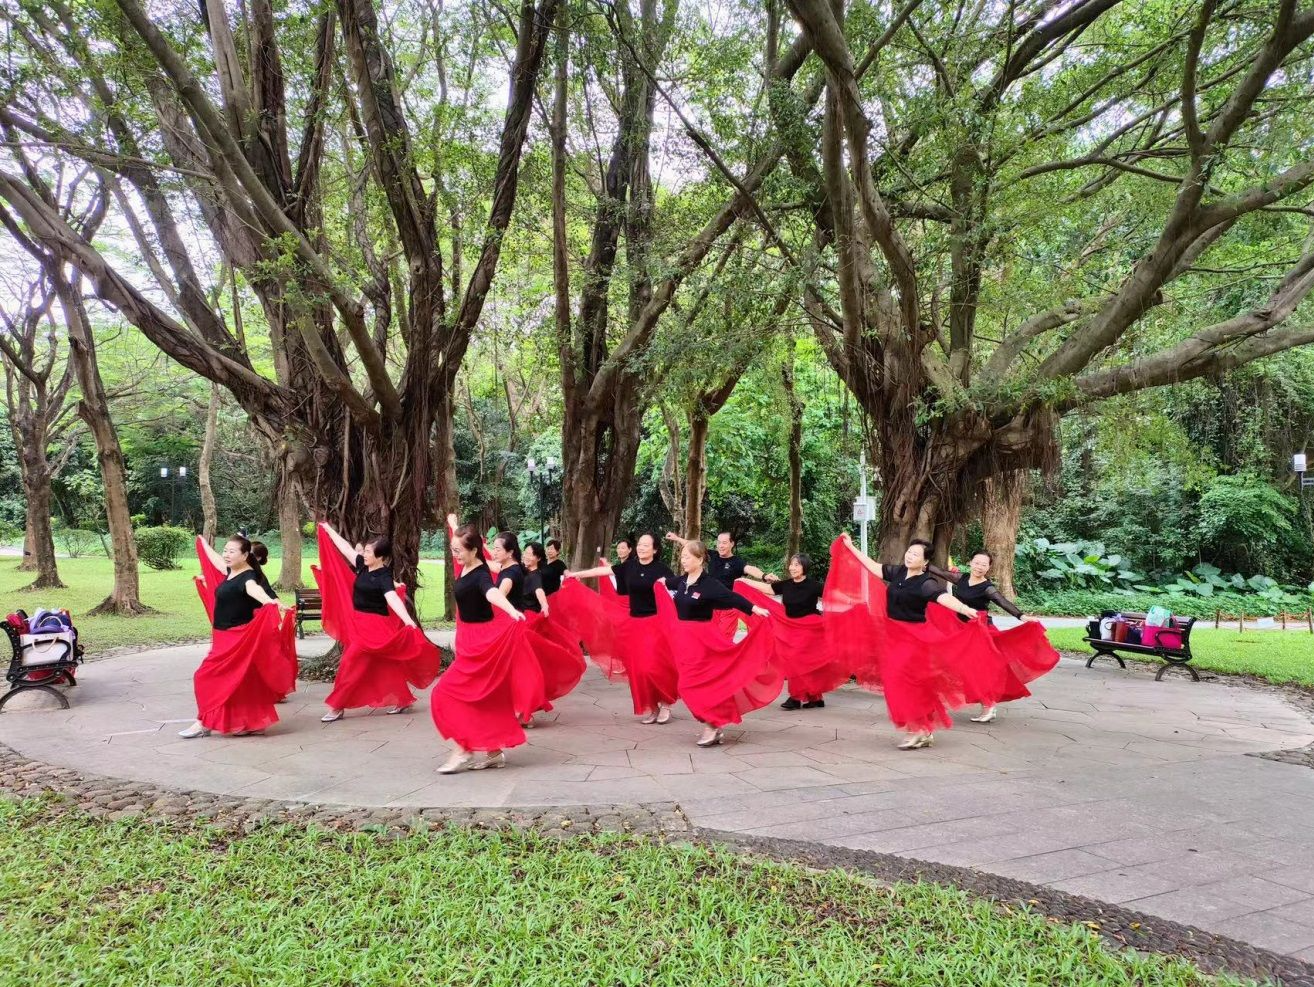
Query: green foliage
[1244,520]
[1089,603]
[77,542]
[160,547]
[115,904]
[1073,565]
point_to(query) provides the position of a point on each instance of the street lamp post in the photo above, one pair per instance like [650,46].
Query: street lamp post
[542,477]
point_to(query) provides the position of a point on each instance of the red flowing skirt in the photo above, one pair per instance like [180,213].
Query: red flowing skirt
[245,674]
[591,620]
[494,682]
[649,665]
[1021,654]
[381,659]
[802,648]
[923,669]
[559,657]
[720,680]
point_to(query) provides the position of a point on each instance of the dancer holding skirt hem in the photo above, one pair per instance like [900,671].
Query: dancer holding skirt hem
[799,629]
[923,668]
[247,669]
[1024,650]
[555,644]
[719,680]
[495,681]
[384,652]
[649,666]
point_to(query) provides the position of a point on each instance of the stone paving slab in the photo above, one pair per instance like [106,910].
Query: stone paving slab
[1105,784]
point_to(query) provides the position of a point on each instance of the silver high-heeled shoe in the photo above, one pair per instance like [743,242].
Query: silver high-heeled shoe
[194,731]
[713,740]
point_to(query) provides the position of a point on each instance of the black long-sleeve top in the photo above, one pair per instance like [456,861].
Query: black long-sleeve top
[697,600]
[978,596]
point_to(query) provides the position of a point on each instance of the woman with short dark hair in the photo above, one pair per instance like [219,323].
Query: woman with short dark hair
[799,626]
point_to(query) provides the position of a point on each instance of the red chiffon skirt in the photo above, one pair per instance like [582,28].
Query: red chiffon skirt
[1021,654]
[494,682]
[649,665]
[924,669]
[591,620]
[381,659]
[802,650]
[720,680]
[245,673]
[559,657]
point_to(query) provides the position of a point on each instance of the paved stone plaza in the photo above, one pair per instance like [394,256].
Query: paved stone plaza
[1106,784]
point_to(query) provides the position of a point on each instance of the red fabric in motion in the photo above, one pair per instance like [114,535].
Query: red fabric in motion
[244,674]
[649,665]
[559,656]
[802,652]
[591,621]
[206,584]
[494,682]
[924,670]
[727,622]
[209,579]
[1022,654]
[381,656]
[720,680]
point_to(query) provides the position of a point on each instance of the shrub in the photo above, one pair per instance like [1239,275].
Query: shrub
[78,542]
[160,547]
[1089,603]
[1073,565]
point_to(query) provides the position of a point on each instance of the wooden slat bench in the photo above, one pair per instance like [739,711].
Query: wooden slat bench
[1171,657]
[310,606]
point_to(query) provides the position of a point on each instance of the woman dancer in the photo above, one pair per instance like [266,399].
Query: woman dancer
[719,680]
[246,670]
[554,568]
[383,649]
[555,645]
[494,680]
[504,559]
[649,665]
[1025,649]
[810,669]
[922,668]
[725,567]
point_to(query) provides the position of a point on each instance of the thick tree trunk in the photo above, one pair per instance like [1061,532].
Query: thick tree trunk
[795,541]
[29,549]
[209,511]
[600,450]
[125,596]
[1001,514]
[446,492]
[289,531]
[36,488]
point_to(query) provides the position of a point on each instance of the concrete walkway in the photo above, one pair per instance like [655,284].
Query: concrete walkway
[1105,784]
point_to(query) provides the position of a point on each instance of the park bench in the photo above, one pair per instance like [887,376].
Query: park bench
[310,606]
[40,662]
[1171,657]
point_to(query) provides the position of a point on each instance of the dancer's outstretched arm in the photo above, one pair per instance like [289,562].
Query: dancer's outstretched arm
[257,593]
[499,600]
[396,605]
[601,570]
[951,602]
[215,558]
[875,568]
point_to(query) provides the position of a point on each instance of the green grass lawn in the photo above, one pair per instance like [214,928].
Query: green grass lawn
[91,902]
[180,615]
[1278,656]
